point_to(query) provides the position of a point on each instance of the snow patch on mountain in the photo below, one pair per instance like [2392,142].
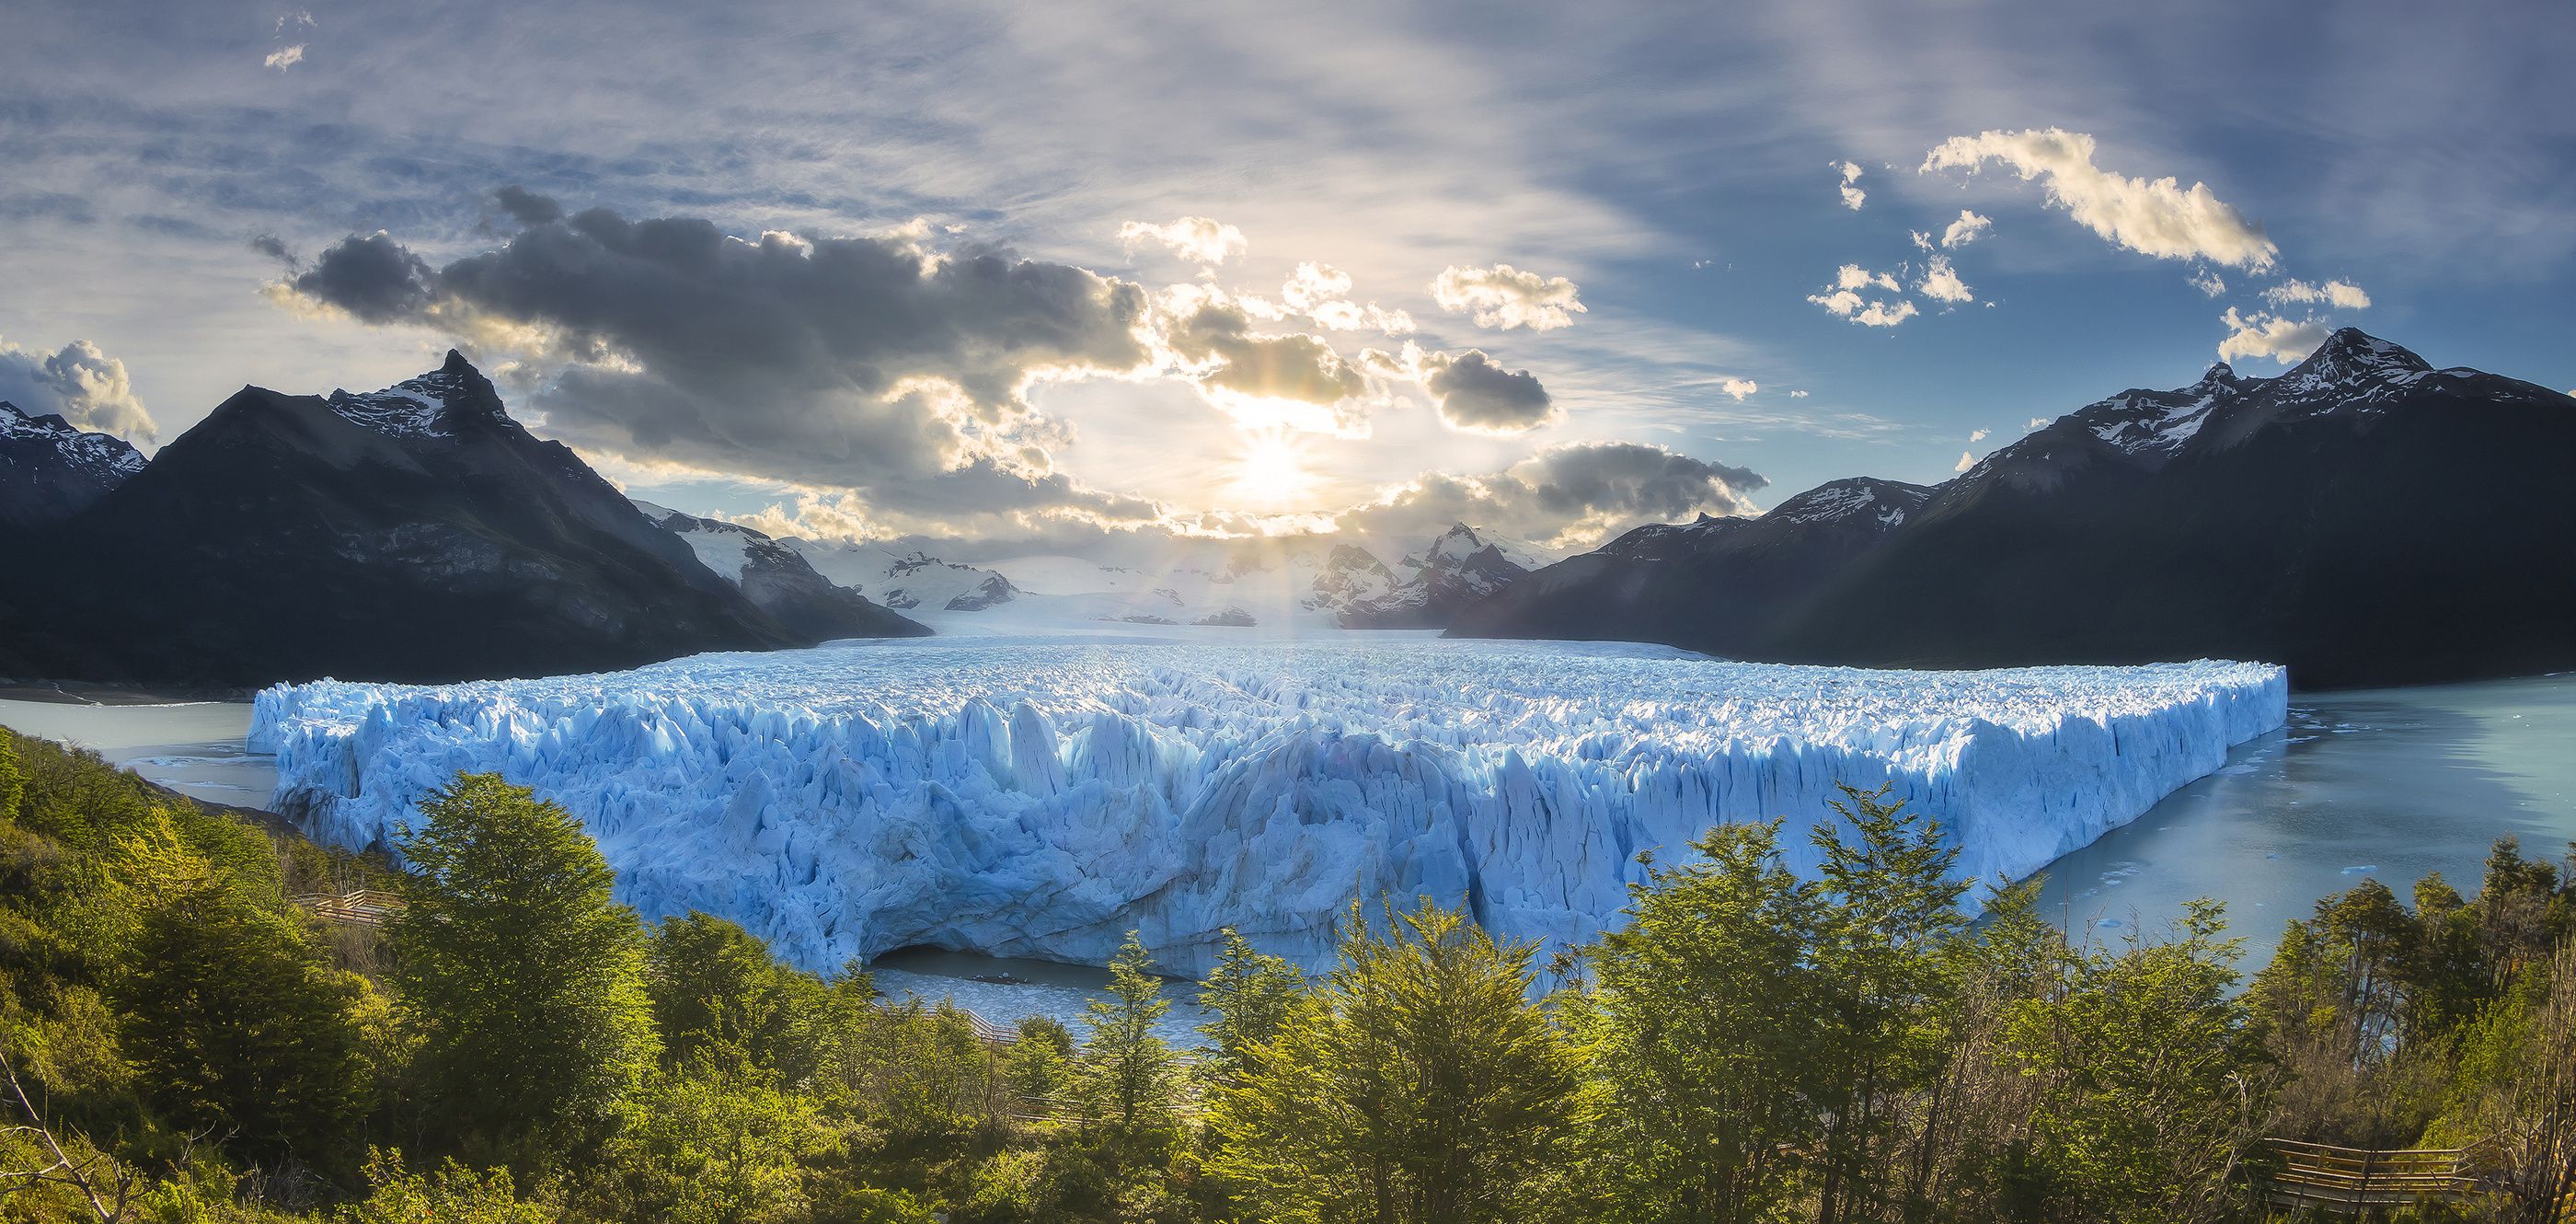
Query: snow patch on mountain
[101,456]
[1041,796]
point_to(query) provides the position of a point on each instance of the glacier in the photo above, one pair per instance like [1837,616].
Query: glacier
[1039,796]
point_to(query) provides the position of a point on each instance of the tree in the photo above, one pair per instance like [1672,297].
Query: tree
[1887,938]
[1417,1084]
[709,1143]
[521,977]
[13,777]
[236,1026]
[1128,1066]
[1250,994]
[1704,1032]
[718,992]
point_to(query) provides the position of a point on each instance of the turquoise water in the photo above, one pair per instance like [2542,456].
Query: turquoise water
[2391,783]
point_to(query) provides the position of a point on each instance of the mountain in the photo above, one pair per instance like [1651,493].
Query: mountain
[1714,584]
[912,581]
[1461,568]
[2362,518]
[415,533]
[778,580]
[51,470]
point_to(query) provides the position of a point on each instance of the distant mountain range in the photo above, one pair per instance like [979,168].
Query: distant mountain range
[2362,518]
[414,533]
[51,470]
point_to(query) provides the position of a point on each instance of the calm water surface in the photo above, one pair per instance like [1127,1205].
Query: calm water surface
[2392,784]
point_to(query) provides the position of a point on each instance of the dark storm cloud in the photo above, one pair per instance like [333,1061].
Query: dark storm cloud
[1567,495]
[527,207]
[274,247]
[1475,393]
[855,362]
[374,278]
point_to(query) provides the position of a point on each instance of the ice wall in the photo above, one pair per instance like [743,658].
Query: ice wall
[1040,796]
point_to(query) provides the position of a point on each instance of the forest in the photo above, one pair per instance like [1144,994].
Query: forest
[182,1041]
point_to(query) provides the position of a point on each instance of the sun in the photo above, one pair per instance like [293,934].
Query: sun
[1270,470]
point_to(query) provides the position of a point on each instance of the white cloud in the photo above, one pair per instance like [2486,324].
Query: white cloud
[1968,228]
[2268,335]
[300,19]
[1978,436]
[1853,196]
[2343,294]
[1797,395]
[285,57]
[2036,422]
[2159,217]
[2208,282]
[1844,299]
[1739,387]
[1321,292]
[1942,284]
[80,384]
[1922,241]
[1854,276]
[1505,297]
[1966,461]
[1197,239]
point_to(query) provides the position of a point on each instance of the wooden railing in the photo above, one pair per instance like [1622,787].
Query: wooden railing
[365,907]
[2353,1181]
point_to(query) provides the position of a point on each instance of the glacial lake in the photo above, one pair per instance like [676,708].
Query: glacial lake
[2391,784]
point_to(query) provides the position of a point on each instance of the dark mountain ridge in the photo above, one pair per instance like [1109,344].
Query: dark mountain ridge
[412,534]
[51,469]
[2362,518]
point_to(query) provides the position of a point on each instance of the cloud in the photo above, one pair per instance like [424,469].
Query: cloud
[1853,196]
[2342,294]
[78,383]
[1260,378]
[1571,495]
[284,57]
[2268,335]
[1321,292]
[1197,239]
[1968,228]
[854,363]
[527,207]
[374,279]
[1978,436]
[1854,276]
[1478,395]
[2208,282]
[1797,395]
[2036,422]
[1942,284]
[1505,297]
[1966,461]
[1844,300]
[2158,218]
[275,248]
[1739,387]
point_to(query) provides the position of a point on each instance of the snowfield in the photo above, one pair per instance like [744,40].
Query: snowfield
[1038,796]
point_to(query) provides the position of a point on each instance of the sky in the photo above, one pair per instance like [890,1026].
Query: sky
[1062,274]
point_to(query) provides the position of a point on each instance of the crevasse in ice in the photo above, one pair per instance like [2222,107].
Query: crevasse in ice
[1040,796]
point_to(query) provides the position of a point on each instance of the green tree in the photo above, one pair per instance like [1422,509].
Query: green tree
[717,990]
[1417,1084]
[2148,1090]
[521,977]
[708,1143]
[235,1025]
[452,1195]
[1128,1067]
[1704,1033]
[1249,994]
[1888,937]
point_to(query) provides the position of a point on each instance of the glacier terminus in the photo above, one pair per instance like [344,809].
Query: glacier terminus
[1041,795]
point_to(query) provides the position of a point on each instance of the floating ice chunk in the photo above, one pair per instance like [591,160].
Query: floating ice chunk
[1041,796]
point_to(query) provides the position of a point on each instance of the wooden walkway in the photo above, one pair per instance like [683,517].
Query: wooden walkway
[2356,1181]
[365,907]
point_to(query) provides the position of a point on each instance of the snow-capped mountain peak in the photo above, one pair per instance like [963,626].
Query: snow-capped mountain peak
[430,406]
[1886,501]
[51,469]
[2351,364]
